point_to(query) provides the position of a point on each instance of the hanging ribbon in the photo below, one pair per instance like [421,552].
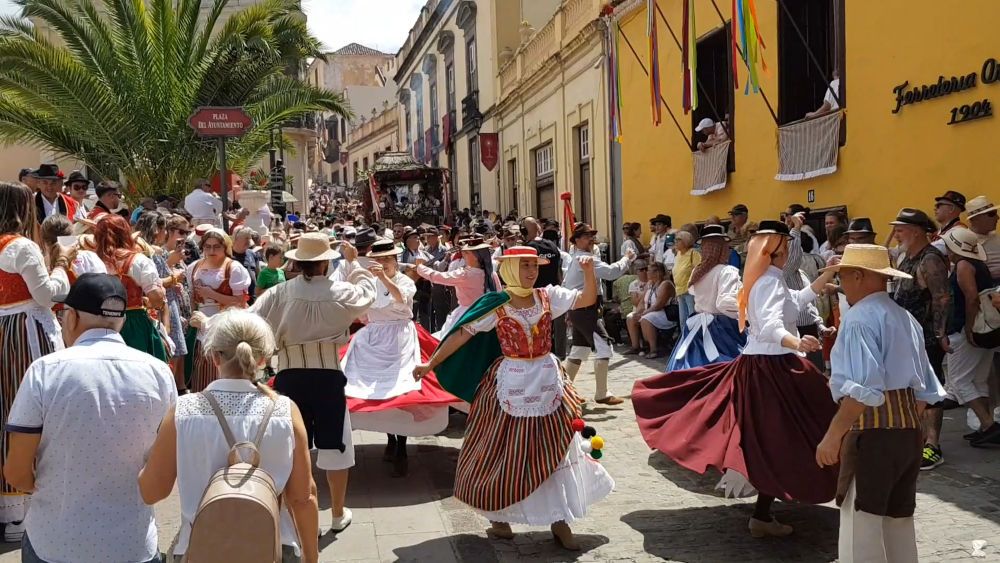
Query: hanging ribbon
[734,37]
[373,186]
[569,218]
[614,82]
[654,62]
[745,14]
[690,58]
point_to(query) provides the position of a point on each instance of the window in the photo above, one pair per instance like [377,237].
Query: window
[473,66]
[715,86]
[583,194]
[343,129]
[449,74]
[365,163]
[545,189]
[808,30]
[475,188]
[335,177]
[514,182]
[434,112]
[453,168]
[409,129]
[355,171]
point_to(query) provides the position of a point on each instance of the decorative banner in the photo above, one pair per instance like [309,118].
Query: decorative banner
[344,157]
[569,218]
[734,28]
[428,144]
[373,186]
[745,15]
[446,192]
[654,62]
[489,149]
[446,129]
[690,58]
[614,80]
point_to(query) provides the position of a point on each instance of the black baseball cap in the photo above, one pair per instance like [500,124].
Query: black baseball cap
[91,291]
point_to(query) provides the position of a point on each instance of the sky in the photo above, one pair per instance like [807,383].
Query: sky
[380,24]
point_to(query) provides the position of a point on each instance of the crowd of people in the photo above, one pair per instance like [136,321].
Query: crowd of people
[157,330]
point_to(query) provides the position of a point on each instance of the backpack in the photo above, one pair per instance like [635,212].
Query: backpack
[986,330]
[239,513]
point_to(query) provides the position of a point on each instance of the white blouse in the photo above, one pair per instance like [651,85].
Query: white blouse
[386,308]
[22,256]
[239,281]
[144,272]
[88,262]
[202,449]
[716,292]
[772,313]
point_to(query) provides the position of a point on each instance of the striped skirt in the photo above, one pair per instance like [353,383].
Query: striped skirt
[526,470]
[203,371]
[16,342]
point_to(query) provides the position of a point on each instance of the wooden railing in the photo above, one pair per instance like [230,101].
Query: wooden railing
[570,19]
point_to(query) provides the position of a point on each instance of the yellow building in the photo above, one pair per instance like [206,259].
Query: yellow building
[552,116]
[369,139]
[890,156]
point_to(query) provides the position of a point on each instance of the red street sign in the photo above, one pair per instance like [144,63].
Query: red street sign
[220,122]
[489,144]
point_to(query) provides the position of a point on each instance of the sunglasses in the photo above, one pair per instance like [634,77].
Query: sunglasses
[78,188]
[183,232]
[641,269]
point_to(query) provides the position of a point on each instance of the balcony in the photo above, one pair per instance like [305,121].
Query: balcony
[308,122]
[471,116]
[570,20]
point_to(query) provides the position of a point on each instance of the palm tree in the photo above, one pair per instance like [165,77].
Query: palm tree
[112,83]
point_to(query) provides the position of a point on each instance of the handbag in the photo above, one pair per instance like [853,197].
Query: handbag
[673,311]
[986,329]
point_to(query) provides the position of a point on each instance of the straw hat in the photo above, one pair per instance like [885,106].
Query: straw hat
[384,247]
[871,257]
[313,247]
[474,243]
[980,205]
[963,242]
[523,252]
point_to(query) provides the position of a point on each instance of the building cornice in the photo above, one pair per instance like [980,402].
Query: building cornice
[418,47]
[626,8]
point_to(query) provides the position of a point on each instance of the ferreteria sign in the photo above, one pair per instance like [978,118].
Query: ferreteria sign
[907,95]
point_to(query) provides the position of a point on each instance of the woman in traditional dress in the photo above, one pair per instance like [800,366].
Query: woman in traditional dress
[713,333]
[114,244]
[217,283]
[470,282]
[759,417]
[28,327]
[522,461]
[382,394]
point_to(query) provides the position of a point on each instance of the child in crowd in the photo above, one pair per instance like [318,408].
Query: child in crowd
[273,274]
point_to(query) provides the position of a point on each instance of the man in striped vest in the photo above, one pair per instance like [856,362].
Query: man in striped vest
[882,379]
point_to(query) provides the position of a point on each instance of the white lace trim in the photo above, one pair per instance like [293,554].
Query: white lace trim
[233,403]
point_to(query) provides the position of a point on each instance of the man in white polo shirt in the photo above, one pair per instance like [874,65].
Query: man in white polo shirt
[203,205]
[79,427]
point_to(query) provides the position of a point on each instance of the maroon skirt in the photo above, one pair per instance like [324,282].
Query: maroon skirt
[759,415]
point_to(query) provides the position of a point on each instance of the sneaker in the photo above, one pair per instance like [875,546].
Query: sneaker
[13,532]
[932,457]
[760,528]
[340,524]
[990,436]
[972,436]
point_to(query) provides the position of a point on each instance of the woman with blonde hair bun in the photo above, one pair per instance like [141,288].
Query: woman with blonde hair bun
[192,446]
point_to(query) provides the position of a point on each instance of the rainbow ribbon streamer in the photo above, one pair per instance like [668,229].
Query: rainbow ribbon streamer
[690,58]
[654,62]
[614,81]
[745,14]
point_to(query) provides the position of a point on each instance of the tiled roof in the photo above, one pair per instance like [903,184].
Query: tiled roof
[357,49]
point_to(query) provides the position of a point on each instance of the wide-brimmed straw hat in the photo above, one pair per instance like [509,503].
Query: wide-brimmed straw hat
[523,252]
[474,243]
[965,243]
[871,257]
[313,247]
[384,247]
[979,205]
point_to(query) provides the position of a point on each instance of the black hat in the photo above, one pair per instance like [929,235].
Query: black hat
[915,217]
[551,224]
[714,231]
[410,232]
[773,228]
[952,197]
[661,218]
[581,229]
[47,172]
[739,209]
[431,231]
[91,291]
[365,238]
[861,225]
[76,176]
[23,173]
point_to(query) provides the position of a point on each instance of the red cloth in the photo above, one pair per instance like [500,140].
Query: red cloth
[430,392]
[759,415]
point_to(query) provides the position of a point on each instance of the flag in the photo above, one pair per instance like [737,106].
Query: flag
[690,58]
[654,62]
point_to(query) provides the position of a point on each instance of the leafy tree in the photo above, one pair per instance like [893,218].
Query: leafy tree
[113,83]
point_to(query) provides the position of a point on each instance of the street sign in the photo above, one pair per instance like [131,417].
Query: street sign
[220,121]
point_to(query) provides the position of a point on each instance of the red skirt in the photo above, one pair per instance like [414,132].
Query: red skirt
[759,415]
[430,393]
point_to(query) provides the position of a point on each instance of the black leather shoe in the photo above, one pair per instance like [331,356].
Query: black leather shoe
[989,437]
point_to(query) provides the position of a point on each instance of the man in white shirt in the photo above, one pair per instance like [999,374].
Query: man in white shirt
[831,98]
[49,200]
[660,225]
[203,205]
[983,222]
[80,425]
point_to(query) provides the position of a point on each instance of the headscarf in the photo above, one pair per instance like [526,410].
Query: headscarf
[510,271]
[714,251]
[759,251]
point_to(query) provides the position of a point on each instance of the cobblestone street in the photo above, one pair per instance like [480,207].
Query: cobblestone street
[658,511]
